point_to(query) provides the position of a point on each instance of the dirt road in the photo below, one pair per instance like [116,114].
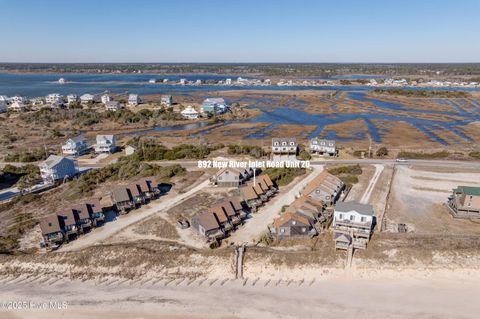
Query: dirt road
[371,186]
[109,229]
[257,224]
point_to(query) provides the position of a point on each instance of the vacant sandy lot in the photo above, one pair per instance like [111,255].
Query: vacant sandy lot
[418,195]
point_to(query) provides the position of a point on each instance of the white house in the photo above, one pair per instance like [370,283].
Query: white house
[113,106]
[87,98]
[61,81]
[75,146]
[54,98]
[133,99]
[17,106]
[214,105]
[166,100]
[37,101]
[18,98]
[352,225]
[228,81]
[105,144]
[183,81]
[190,113]
[323,146]
[57,168]
[72,98]
[106,98]
[4,98]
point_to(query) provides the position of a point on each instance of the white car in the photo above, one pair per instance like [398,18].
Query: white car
[401,160]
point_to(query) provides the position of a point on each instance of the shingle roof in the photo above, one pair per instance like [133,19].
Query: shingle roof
[53,160]
[219,213]
[134,190]
[278,222]
[248,192]
[120,194]
[363,209]
[68,216]
[144,185]
[82,210]
[207,221]
[95,206]
[319,180]
[266,179]
[236,203]
[49,224]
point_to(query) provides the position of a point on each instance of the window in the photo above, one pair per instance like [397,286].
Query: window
[282,230]
[292,143]
[352,218]
[340,216]
[294,222]
[304,229]
[363,219]
[49,224]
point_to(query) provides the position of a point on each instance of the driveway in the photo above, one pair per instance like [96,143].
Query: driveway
[109,229]
[257,224]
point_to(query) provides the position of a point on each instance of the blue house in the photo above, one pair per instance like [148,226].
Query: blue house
[214,105]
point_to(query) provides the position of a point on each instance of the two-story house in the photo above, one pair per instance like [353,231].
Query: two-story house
[323,146]
[284,149]
[105,144]
[352,225]
[325,187]
[56,168]
[166,100]
[75,146]
[112,106]
[214,105]
[133,99]
[465,202]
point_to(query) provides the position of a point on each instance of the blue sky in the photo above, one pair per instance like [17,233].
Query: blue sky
[239,31]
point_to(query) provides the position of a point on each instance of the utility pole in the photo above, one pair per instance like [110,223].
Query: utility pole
[370,147]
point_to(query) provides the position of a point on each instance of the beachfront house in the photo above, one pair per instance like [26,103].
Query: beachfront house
[146,188]
[325,187]
[133,99]
[105,98]
[352,225]
[207,225]
[465,202]
[292,225]
[57,168]
[121,200]
[284,149]
[113,106]
[75,146]
[16,106]
[87,98]
[52,231]
[214,105]
[135,194]
[68,223]
[323,146]
[189,113]
[105,144]
[82,217]
[166,100]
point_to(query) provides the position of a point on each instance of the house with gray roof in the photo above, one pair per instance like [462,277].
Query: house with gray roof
[75,146]
[207,225]
[355,221]
[52,232]
[121,200]
[56,168]
[215,105]
[323,146]
[105,144]
[166,100]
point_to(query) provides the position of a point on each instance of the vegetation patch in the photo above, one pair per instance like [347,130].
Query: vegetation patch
[421,155]
[283,176]
[254,151]
[348,174]
[423,93]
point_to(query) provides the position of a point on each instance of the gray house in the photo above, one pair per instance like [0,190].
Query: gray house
[75,146]
[166,100]
[105,144]
[52,231]
[121,200]
[284,149]
[229,177]
[68,223]
[352,225]
[291,225]
[323,146]
[325,187]
[56,168]
[207,225]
